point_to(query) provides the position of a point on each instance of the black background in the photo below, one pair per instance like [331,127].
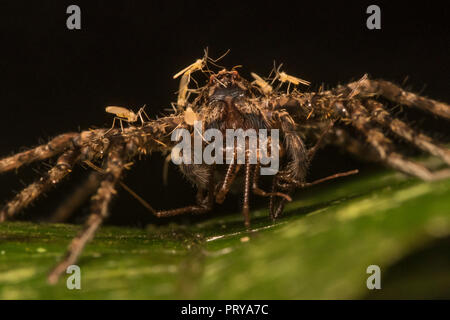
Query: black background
[55,80]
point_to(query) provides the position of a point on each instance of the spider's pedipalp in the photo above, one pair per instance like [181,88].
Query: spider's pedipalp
[55,146]
[99,207]
[403,130]
[367,88]
[33,191]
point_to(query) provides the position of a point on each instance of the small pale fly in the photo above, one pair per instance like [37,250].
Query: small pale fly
[183,91]
[197,65]
[284,77]
[262,84]
[190,116]
[125,114]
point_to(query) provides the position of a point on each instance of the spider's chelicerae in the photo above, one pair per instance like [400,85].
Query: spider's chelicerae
[351,116]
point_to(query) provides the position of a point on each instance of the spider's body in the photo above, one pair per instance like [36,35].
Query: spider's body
[229,102]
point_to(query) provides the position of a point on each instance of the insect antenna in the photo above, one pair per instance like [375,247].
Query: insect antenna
[213,61]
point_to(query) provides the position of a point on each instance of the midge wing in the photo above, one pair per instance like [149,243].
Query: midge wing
[197,65]
[119,111]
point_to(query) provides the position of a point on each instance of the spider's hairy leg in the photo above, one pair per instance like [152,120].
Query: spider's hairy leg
[367,88]
[277,207]
[293,147]
[403,130]
[33,191]
[224,188]
[99,207]
[298,163]
[55,146]
[341,138]
[361,120]
[247,184]
[77,198]
[258,191]
[203,205]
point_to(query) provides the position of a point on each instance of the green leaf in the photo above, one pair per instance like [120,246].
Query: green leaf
[319,249]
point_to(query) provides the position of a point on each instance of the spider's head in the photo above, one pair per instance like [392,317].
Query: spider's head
[226,84]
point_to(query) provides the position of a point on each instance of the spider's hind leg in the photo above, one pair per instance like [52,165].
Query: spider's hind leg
[383,147]
[403,130]
[99,207]
[33,191]
[77,198]
[394,93]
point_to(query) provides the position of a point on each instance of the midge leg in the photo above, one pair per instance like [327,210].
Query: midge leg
[400,128]
[53,147]
[394,93]
[34,190]
[100,202]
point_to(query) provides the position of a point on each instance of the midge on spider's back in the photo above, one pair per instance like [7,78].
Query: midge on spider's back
[350,116]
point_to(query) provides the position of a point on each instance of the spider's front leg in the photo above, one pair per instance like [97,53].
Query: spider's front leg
[63,166]
[203,205]
[54,147]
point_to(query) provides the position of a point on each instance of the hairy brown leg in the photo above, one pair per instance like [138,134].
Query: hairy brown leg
[342,139]
[320,140]
[291,184]
[231,174]
[293,147]
[258,191]
[383,146]
[299,184]
[200,208]
[297,164]
[36,189]
[99,207]
[396,94]
[53,147]
[247,183]
[277,207]
[75,200]
[403,130]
